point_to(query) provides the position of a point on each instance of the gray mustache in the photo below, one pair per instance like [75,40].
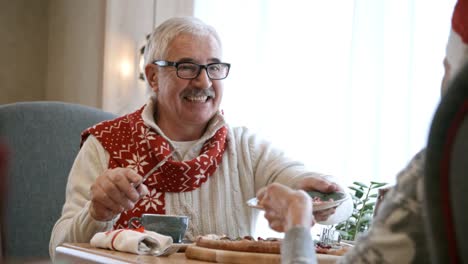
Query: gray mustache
[199,92]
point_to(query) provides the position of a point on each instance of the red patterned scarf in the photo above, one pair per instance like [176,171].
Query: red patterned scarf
[132,144]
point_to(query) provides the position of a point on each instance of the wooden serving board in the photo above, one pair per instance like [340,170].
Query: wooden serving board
[227,256]
[237,257]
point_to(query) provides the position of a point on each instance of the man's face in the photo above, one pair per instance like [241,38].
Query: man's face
[192,102]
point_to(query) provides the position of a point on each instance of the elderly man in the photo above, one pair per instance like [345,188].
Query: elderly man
[213,169]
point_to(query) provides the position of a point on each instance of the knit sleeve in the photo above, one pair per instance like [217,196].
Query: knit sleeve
[75,223]
[273,165]
[298,247]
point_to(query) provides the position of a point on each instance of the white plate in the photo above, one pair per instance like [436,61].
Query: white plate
[338,198]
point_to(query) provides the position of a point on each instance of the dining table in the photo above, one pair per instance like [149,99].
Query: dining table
[85,253]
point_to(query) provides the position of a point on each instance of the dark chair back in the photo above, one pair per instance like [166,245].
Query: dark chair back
[43,139]
[446,179]
[3,189]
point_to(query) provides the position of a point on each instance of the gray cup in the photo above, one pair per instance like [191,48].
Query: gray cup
[174,226]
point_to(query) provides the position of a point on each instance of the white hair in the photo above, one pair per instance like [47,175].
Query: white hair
[162,35]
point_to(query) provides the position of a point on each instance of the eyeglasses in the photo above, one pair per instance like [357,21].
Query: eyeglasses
[190,70]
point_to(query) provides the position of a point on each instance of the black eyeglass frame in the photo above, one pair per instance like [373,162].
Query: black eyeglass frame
[163,63]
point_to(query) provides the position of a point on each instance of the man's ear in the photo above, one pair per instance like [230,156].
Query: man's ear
[151,72]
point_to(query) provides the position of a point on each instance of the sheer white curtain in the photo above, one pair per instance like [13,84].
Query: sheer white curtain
[348,87]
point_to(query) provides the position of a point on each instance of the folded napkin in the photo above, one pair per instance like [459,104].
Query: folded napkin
[137,241]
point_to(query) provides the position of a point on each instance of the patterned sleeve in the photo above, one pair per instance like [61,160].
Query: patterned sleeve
[397,232]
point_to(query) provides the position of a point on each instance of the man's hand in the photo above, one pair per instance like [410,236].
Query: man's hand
[114,191]
[317,183]
[285,207]
[320,184]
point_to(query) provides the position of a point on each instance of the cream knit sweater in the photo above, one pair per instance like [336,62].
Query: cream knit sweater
[218,206]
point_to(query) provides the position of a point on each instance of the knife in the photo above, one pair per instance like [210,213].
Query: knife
[155,168]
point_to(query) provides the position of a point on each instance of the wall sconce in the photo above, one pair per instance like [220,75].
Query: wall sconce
[126,69]
[141,61]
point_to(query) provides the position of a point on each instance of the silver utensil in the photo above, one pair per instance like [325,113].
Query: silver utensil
[155,168]
[170,250]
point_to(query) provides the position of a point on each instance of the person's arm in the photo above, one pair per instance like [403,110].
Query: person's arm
[298,247]
[75,223]
[396,234]
[290,211]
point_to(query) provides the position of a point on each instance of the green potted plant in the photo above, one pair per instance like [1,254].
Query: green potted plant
[364,200]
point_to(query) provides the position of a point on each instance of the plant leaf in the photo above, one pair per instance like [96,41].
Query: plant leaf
[378,185]
[364,199]
[373,182]
[343,233]
[358,193]
[361,184]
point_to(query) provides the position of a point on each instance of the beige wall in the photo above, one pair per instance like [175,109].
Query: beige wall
[75,51]
[80,51]
[127,24]
[23,50]
[51,50]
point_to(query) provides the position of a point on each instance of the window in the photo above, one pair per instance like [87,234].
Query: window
[350,91]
